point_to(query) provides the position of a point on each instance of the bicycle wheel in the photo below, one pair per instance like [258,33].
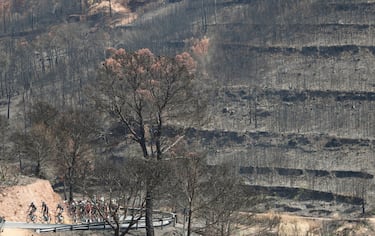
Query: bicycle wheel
[30,218]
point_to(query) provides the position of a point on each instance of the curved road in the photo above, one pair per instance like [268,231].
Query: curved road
[167,219]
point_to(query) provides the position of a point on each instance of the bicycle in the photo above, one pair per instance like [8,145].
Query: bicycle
[31,217]
[59,218]
[46,218]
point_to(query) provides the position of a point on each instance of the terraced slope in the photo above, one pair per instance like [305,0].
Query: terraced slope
[298,101]
[293,92]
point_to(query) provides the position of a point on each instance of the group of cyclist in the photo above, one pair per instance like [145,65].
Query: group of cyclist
[82,211]
[46,216]
[88,211]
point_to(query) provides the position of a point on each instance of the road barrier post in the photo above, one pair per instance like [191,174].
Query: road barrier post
[2,222]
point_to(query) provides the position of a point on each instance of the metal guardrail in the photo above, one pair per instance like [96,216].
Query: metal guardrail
[166,220]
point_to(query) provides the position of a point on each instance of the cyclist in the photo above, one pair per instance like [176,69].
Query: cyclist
[31,212]
[45,212]
[59,211]
[73,210]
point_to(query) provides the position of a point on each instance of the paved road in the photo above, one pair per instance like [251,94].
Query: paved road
[23,225]
[92,226]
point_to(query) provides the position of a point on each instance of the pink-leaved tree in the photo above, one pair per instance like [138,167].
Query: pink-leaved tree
[147,94]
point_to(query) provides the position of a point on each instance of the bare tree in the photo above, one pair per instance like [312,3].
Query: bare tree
[361,187]
[37,145]
[42,113]
[207,194]
[4,128]
[123,184]
[75,133]
[189,174]
[224,197]
[146,93]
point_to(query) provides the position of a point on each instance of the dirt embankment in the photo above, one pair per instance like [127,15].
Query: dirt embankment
[15,200]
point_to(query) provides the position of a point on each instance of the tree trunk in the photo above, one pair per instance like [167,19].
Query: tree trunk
[4,23]
[149,209]
[149,194]
[83,7]
[71,183]
[65,198]
[117,231]
[363,203]
[20,163]
[144,148]
[71,191]
[190,214]
[110,8]
[37,170]
[8,105]
[72,174]
[158,148]
[157,135]
[363,207]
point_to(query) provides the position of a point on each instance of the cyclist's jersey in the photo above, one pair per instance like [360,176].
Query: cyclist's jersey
[45,209]
[59,209]
[32,208]
[73,208]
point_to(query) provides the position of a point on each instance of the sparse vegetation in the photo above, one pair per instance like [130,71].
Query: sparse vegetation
[287,86]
